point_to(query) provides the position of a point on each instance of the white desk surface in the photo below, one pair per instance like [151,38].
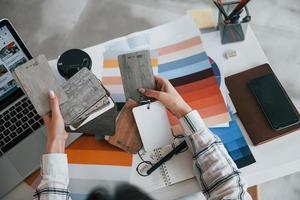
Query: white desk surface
[273,159]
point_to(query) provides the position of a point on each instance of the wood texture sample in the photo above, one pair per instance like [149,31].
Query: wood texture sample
[127,136]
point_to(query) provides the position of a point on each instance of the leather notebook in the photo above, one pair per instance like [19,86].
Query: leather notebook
[248,109]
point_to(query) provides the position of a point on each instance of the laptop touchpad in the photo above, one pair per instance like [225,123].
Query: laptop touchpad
[26,157]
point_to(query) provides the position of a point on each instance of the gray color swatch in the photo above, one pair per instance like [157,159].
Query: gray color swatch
[36,79]
[136,71]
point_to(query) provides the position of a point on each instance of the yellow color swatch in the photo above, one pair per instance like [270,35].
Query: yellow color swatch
[203,17]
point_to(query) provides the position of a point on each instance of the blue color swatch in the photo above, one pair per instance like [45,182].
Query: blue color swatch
[235,143]
[185,70]
[198,58]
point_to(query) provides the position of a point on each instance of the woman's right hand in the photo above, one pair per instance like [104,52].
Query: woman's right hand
[54,122]
[168,96]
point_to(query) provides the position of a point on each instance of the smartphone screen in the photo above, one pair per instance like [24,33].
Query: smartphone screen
[274,102]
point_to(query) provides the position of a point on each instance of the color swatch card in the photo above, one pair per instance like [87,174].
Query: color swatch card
[182,58]
[179,57]
[201,91]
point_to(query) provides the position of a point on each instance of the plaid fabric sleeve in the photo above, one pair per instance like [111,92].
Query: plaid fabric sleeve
[55,178]
[215,171]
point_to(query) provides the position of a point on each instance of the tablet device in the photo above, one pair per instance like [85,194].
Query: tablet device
[274,102]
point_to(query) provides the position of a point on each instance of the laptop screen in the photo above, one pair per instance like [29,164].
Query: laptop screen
[11,56]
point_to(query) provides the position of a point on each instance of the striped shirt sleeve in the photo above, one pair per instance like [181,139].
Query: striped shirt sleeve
[55,178]
[216,172]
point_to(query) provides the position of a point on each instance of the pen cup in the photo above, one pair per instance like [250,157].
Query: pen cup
[232,32]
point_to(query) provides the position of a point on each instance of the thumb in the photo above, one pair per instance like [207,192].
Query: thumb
[54,105]
[151,93]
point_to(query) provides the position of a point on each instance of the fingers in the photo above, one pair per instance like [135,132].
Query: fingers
[162,83]
[152,93]
[47,118]
[54,105]
[149,92]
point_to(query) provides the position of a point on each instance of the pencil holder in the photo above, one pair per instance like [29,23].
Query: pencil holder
[233,31]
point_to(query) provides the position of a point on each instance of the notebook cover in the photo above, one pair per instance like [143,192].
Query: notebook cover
[36,79]
[248,109]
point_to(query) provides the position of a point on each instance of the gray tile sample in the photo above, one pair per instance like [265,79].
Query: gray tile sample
[36,79]
[136,72]
[84,90]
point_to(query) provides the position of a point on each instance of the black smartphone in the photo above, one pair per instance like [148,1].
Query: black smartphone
[274,102]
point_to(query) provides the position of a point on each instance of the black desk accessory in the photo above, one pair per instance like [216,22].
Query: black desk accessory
[72,61]
[234,27]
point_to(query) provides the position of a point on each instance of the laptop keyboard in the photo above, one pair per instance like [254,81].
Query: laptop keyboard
[17,123]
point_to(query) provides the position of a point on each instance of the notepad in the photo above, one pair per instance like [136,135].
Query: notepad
[153,125]
[179,168]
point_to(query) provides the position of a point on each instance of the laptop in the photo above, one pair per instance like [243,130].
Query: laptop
[22,134]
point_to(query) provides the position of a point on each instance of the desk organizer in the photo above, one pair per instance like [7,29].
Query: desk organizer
[232,32]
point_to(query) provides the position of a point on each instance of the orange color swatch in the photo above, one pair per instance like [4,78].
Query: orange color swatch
[199,94]
[213,110]
[113,63]
[199,104]
[88,150]
[112,80]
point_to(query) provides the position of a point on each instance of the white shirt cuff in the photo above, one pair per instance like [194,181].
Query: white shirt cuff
[55,167]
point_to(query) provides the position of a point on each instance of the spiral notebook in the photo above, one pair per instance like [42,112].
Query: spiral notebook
[177,169]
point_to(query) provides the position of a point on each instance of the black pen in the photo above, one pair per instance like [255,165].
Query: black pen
[175,151]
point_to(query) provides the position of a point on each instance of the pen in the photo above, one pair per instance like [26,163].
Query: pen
[221,9]
[175,151]
[236,17]
[238,8]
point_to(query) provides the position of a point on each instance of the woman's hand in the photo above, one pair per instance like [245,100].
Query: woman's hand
[54,122]
[168,96]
